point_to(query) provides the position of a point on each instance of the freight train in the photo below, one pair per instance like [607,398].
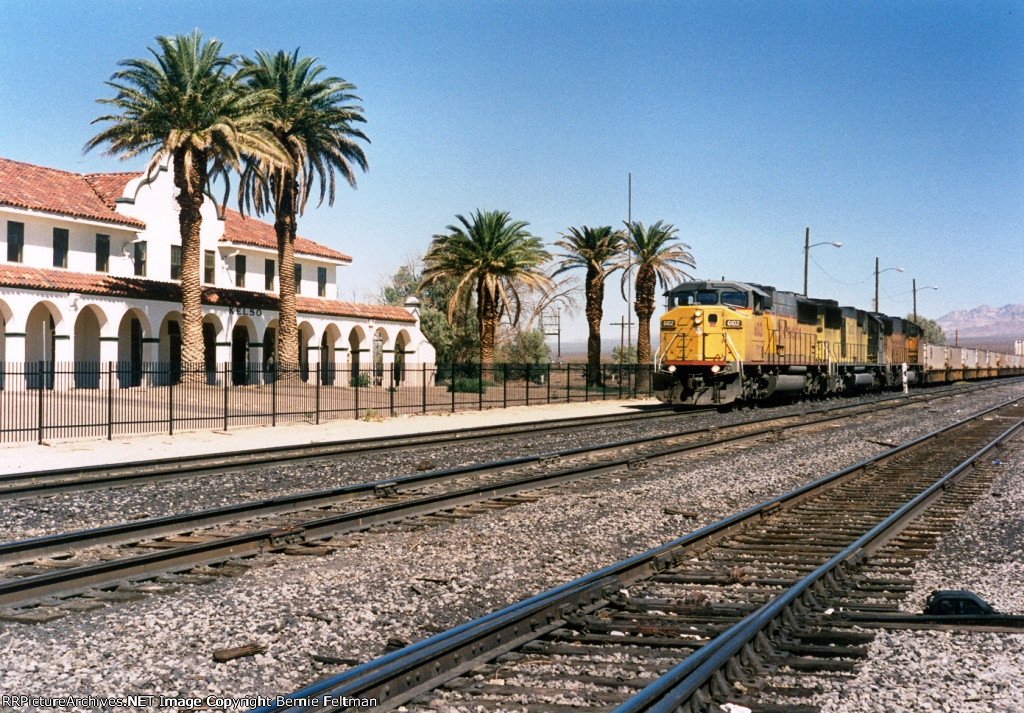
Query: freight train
[730,342]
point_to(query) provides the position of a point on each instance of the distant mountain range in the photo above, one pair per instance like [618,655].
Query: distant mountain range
[993,327]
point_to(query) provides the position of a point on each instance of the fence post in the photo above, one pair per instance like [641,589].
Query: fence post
[424,383]
[504,385]
[586,385]
[391,391]
[273,396]
[355,383]
[42,382]
[170,402]
[568,383]
[549,382]
[319,371]
[480,387]
[110,400]
[528,371]
[226,365]
[620,381]
[451,384]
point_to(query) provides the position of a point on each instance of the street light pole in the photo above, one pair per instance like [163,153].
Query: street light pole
[807,251]
[916,288]
[876,284]
[877,271]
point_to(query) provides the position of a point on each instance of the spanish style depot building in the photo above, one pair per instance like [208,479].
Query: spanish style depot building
[90,269]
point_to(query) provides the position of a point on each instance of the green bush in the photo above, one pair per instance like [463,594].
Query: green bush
[359,380]
[468,385]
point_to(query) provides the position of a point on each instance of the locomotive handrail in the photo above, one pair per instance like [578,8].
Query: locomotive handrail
[663,351]
[739,358]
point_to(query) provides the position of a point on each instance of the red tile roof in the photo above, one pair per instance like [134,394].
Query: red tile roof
[23,185]
[249,231]
[237,229]
[109,185]
[46,279]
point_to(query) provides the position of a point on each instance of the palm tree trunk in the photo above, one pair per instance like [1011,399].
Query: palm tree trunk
[287,322]
[594,312]
[487,313]
[191,184]
[644,309]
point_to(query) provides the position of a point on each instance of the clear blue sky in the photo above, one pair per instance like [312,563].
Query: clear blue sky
[894,128]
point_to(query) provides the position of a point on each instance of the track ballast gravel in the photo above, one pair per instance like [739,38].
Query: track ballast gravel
[403,584]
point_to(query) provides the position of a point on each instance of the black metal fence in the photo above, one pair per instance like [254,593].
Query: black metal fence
[42,400]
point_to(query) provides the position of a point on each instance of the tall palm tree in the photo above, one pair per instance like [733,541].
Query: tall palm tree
[312,116]
[490,256]
[595,250]
[184,105]
[655,254]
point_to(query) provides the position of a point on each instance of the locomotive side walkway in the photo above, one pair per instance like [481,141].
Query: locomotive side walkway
[22,457]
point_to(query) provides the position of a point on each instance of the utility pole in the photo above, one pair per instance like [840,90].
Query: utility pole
[556,332]
[914,281]
[622,324]
[629,263]
[807,251]
[876,284]
[877,271]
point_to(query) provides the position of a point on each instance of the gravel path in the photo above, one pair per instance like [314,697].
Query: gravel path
[408,584]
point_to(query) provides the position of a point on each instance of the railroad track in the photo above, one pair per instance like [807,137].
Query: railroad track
[78,479]
[710,617]
[121,561]
[20,486]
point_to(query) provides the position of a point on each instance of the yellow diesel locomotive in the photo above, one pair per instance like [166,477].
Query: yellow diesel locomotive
[725,342]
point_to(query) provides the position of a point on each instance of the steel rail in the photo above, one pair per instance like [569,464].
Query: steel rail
[675,688]
[24,550]
[20,485]
[76,580]
[402,675]
[86,478]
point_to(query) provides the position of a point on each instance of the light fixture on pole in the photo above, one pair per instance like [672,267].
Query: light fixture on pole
[877,271]
[807,250]
[916,288]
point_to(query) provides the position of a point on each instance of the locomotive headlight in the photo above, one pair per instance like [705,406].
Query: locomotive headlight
[715,369]
[696,313]
[672,369]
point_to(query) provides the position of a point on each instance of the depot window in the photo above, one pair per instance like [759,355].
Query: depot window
[60,247]
[139,258]
[15,241]
[175,262]
[239,270]
[209,257]
[102,252]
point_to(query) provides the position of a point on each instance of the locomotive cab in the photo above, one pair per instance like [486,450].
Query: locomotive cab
[703,334]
